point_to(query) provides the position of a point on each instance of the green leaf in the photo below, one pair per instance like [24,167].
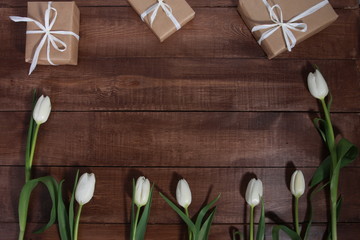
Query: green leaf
[141,227]
[308,226]
[133,224]
[317,122]
[71,207]
[30,131]
[183,216]
[330,100]
[338,207]
[24,202]
[203,234]
[203,212]
[346,152]
[25,194]
[260,235]
[237,233]
[62,216]
[292,234]
[335,177]
[322,172]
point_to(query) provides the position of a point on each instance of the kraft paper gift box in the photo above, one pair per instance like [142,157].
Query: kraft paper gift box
[316,16]
[163,25]
[65,28]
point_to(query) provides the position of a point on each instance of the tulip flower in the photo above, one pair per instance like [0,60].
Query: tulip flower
[317,85]
[319,89]
[183,193]
[142,195]
[297,184]
[183,197]
[253,195]
[85,188]
[254,192]
[142,191]
[40,115]
[329,170]
[297,187]
[200,228]
[42,110]
[84,192]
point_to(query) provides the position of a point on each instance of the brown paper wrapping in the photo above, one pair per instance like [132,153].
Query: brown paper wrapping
[254,12]
[68,19]
[162,26]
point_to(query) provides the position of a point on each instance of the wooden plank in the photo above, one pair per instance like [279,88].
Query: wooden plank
[194,3]
[173,84]
[346,231]
[220,139]
[215,32]
[111,202]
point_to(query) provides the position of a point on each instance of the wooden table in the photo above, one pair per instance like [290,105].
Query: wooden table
[205,105]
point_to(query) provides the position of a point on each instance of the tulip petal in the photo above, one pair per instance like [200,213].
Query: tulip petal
[85,188]
[254,192]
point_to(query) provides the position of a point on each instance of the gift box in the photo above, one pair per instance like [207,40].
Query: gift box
[279,25]
[163,17]
[52,33]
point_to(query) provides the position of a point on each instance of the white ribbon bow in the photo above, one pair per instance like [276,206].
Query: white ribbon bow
[167,9]
[48,35]
[289,37]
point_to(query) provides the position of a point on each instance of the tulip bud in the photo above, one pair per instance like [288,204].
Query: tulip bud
[297,184]
[85,188]
[317,85]
[42,110]
[183,193]
[142,191]
[254,192]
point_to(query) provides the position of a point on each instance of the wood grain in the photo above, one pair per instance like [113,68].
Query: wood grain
[111,202]
[193,3]
[8,231]
[177,84]
[205,105]
[173,139]
[214,33]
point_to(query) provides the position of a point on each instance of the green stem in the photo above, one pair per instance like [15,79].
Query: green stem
[251,222]
[21,235]
[330,139]
[189,231]
[333,222]
[77,220]
[296,215]
[28,163]
[136,222]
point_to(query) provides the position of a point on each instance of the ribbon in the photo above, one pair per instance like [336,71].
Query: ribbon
[154,8]
[289,37]
[48,35]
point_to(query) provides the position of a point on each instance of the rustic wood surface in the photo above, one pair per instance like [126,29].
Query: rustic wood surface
[205,105]
[165,231]
[200,139]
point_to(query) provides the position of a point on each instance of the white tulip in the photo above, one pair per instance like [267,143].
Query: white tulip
[254,192]
[183,193]
[297,184]
[142,191]
[317,85]
[42,110]
[85,188]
